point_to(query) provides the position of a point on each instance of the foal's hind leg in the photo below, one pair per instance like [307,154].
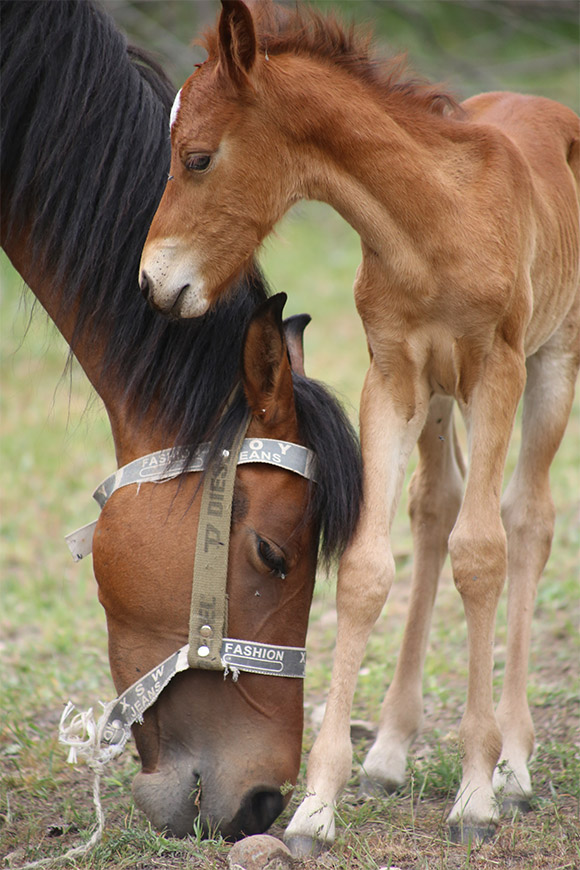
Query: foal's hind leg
[478,551]
[434,498]
[528,515]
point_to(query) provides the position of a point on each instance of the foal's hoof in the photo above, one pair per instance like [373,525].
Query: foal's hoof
[306,847]
[465,834]
[512,805]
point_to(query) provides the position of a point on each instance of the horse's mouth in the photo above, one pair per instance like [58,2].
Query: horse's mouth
[171,311]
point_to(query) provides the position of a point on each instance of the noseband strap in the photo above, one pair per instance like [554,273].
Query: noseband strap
[103,740]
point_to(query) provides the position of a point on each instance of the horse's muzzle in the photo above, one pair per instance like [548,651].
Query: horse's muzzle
[174,798]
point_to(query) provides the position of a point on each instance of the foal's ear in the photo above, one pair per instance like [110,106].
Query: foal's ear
[267,376]
[294,331]
[237,40]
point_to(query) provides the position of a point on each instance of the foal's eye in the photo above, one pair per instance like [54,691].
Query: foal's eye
[273,558]
[198,162]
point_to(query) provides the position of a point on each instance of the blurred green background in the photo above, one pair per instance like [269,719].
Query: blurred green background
[473,45]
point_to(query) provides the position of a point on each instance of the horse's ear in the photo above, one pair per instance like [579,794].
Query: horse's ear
[266,371]
[237,40]
[294,331]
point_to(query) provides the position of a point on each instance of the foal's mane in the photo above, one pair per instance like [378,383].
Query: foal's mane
[84,157]
[306,32]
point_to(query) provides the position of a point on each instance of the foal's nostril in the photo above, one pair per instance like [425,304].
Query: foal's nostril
[144,284]
[178,299]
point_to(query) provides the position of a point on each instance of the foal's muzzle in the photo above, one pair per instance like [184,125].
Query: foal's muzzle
[170,279]
[173,307]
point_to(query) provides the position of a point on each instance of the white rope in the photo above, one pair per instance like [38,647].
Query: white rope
[82,736]
[89,748]
[231,669]
[90,844]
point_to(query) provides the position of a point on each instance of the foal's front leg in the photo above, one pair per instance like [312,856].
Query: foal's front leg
[389,431]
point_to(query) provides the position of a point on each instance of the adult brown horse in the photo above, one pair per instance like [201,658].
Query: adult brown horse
[468,291]
[85,152]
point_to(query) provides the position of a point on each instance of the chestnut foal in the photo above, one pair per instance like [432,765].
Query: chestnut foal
[468,292]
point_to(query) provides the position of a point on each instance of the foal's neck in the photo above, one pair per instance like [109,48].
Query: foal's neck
[390,168]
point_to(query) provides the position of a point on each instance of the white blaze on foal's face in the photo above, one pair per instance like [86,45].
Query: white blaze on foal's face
[169,270]
[175,109]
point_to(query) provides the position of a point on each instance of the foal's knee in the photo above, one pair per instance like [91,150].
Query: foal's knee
[365,578]
[431,511]
[479,560]
[529,521]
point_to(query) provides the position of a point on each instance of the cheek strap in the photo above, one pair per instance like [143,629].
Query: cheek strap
[208,612]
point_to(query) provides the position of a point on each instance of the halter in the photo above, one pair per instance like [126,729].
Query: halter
[208,646]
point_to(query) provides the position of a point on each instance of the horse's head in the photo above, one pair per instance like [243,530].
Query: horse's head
[231,176]
[211,747]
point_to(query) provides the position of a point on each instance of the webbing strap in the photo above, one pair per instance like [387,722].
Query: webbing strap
[106,738]
[208,614]
[167,464]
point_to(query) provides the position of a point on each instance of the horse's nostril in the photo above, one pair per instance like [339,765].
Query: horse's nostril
[144,284]
[265,807]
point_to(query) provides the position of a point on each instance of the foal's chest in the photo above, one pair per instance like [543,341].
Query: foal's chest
[417,339]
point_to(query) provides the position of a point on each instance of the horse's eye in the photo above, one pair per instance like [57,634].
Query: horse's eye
[198,162]
[273,557]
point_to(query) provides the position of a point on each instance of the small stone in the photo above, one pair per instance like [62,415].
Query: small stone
[260,852]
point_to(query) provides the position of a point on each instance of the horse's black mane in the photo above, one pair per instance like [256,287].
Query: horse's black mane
[85,152]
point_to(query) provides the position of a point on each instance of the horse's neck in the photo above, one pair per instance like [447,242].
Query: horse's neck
[132,436]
